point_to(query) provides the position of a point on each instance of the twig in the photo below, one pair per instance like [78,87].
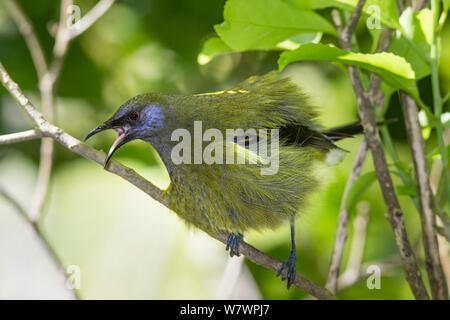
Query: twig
[37,54]
[20,209]
[27,31]
[20,137]
[47,88]
[342,227]
[417,145]
[76,146]
[374,91]
[48,77]
[346,35]
[386,267]
[274,264]
[46,244]
[352,272]
[90,18]
[341,234]
[395,214]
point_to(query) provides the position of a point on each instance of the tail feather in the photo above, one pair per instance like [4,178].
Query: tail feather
[305,136]
[345,131]
[349,130]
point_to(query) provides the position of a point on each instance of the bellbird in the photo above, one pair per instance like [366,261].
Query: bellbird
[234,197]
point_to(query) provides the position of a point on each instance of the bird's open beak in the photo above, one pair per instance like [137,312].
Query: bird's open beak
[120,141]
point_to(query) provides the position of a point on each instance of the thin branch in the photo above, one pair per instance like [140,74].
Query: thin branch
[46,244]
[374,90]
[131,176]
[16,204]
[428,218]
[352,272]
[62,41]
[387,266]
[48,77]
[346,35]
[274,264]
[90,18]
[47,88]
[341,234]
[27,31]
[336,16]
[376,96]
[20,136]
[417,145]
[395,214]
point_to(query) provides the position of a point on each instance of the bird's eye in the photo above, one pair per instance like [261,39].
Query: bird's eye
[134,116]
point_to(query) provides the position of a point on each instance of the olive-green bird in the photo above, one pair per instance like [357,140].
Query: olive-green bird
[234,197]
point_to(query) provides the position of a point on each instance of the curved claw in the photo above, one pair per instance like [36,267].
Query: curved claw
[291,265]
[233,244]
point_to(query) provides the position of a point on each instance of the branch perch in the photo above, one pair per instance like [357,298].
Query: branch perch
[20,136]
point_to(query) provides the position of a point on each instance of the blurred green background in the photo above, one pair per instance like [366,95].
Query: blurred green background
[127,245]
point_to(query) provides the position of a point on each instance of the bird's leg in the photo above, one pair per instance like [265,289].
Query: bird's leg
[234,239]
[291,263]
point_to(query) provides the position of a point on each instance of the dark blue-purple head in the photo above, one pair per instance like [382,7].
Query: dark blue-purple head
[138,118]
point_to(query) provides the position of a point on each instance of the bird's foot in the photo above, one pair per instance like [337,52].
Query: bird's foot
[291,265]
[233,242]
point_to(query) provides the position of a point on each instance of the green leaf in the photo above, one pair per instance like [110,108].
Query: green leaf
[215,46]
[295,42]
[358,188]
[212,47]
[386,9]
[395,70]
[414,42]
[262,24]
